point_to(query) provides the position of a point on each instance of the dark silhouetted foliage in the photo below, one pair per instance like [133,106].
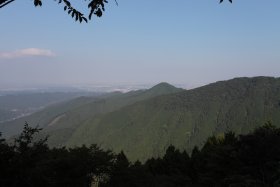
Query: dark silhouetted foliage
[223,1]
[224,161]
[250,160]
[30,162]
[96,7]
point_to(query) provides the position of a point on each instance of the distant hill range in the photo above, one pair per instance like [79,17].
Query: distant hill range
[16,104]
[144,123]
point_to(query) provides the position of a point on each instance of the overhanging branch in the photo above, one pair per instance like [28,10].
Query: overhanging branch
[5,2]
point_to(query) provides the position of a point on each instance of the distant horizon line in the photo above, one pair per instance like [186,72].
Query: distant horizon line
[99,85]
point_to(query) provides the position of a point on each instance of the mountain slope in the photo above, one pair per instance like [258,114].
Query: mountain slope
[144,123]
[184,119]
[61,120]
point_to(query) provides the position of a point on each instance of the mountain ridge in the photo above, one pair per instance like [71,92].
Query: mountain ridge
[144,124]
[186,118]
[79,109]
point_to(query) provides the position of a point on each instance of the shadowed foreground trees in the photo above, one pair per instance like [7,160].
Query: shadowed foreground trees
[229,161]
[33,163]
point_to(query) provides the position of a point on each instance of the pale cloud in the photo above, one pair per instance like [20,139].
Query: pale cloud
[28,52]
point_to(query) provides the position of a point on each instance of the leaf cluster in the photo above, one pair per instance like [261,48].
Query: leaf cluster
[96,7]
[223,1]
[77,15]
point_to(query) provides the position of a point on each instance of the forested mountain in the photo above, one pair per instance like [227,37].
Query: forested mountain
[61,120]
[184,119]
[144,123]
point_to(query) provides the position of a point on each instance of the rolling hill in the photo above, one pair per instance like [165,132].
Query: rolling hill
[144,123]
[61,120]
[184,119]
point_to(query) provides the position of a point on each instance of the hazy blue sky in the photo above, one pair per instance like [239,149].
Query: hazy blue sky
[189,42]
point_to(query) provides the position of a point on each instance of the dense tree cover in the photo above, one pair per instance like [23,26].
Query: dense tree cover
[227,161]
[152,119]
[96,7]
[224,161]
[30,162]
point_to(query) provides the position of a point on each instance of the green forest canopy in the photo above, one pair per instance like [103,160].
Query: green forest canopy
[224,161]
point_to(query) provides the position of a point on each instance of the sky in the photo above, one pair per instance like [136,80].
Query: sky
[189,42]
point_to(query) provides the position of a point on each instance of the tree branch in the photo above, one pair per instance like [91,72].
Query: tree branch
[4,3]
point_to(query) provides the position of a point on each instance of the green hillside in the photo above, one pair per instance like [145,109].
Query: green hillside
[184,119]
[144,123]
[61,120]
[40,118]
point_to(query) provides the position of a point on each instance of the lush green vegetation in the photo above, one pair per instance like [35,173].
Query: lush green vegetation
[144,123]
[184,119]
[250,160]
[67,116]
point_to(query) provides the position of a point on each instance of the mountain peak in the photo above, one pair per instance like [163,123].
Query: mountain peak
[163,85]
[164,88]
